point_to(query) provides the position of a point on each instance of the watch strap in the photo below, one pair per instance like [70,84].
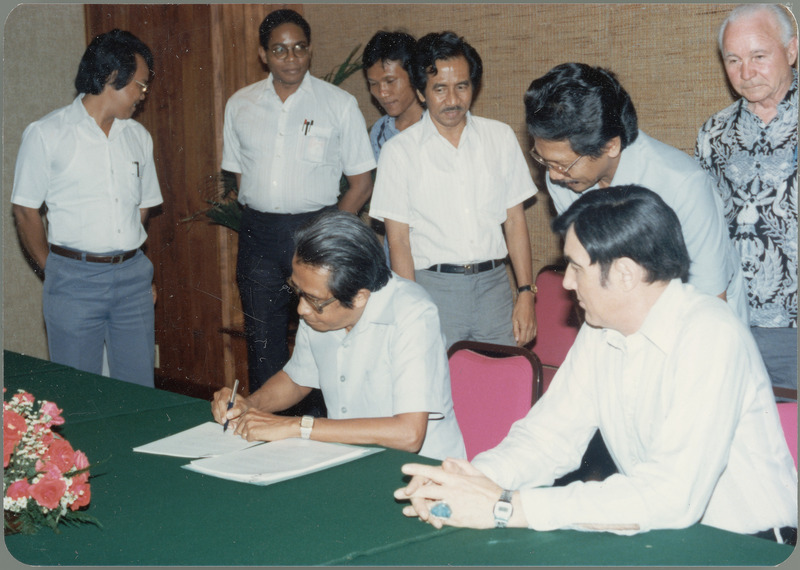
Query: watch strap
[532,288]
[503,509]
[306,425]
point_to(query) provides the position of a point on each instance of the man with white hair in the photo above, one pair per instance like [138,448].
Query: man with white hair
[750,148]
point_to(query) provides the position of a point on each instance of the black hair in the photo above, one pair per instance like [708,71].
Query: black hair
[278,17]
[109,52]
[389,46]
[628,221]
[443,46]
[344,245]
[582,104]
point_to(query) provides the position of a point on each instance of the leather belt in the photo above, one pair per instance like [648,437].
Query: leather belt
[81,256]
[469,269]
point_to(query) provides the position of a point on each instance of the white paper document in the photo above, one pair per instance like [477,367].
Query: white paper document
[205,440]
[279,460]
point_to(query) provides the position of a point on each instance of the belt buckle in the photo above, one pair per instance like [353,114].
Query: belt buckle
[470,269]
[117,258]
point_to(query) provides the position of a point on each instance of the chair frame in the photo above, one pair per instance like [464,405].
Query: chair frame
[502,351]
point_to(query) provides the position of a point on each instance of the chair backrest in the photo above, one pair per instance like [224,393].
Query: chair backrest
[557,317]
[787,411]
[493,386]
[788,414]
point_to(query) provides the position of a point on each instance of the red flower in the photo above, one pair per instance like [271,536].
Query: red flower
[84,494]
[48,492]
[81,461]
[18,489]
[61,455]
[14,427]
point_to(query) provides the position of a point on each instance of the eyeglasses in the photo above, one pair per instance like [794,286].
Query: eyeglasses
[311,300]
[282,51]
[551,165]
[143,86]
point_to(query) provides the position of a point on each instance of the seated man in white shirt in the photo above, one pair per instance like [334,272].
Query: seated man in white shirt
[671,378]
[370,340]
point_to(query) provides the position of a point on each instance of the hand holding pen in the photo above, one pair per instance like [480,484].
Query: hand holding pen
[230,404]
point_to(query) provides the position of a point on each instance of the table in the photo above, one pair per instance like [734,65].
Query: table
[156,513]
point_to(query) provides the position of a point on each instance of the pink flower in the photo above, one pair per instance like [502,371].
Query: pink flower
[48,492]
[25,397]
[83,494]
[54,412]
[18,490]
[81,461]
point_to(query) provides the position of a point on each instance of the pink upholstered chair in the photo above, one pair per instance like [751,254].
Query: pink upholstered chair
[558,320]
[493,386]
[788,414]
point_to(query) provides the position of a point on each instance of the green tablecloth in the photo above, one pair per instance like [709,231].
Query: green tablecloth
[156,513]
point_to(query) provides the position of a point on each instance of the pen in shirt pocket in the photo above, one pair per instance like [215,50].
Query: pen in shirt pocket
[136,164]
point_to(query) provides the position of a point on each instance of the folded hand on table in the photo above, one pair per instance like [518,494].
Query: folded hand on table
[470,495]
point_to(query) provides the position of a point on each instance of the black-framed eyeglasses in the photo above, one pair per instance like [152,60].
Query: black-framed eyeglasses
[317,304]
[551,165]
[143,86]
[282,52]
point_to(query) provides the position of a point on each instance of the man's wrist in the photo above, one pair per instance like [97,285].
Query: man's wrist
[527,289]
[503,509]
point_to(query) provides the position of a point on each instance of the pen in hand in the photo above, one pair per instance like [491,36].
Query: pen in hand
[230,404]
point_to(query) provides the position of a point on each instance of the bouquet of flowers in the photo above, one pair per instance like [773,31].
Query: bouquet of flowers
[45,481]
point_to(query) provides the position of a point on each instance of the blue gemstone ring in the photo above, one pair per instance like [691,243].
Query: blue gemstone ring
[441,510]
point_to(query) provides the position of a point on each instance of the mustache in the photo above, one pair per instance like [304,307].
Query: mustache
[454,108]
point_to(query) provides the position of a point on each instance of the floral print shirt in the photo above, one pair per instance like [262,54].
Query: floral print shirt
[755,166]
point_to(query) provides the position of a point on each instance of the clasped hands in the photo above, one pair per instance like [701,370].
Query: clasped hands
[251,423]
[470,495]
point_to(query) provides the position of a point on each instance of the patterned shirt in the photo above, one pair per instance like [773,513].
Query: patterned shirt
[755,166]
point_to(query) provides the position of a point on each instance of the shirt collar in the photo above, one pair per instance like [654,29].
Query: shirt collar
[429,129]
[379,309]
[659,324]
[269,85]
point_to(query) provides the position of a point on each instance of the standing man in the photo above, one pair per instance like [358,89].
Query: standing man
[750,149]
[92,166]
[289,138]
[369,340]
[669,376]
[387,61]
[451,189]
[585,132]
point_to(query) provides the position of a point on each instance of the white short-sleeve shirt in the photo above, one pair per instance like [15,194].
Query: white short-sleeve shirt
[93,185]
[454,200]
[292,154]
[391,362]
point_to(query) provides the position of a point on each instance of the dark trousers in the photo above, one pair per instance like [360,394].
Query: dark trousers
[266,247]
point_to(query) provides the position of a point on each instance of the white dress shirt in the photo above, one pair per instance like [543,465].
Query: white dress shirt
[689,191]
[454,200]
[391,362]
[93,185]
[688,414]
[288,165]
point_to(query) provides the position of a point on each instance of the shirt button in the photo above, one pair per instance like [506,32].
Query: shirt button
[341,378]
[344,410]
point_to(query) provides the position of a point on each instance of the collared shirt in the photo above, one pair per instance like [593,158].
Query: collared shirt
[292,154]
[391,362]
[755,167]
[454,200]
[689,191]
[383,129]
[686,409]
[93,185]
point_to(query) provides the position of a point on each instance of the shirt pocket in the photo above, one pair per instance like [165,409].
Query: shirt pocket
[315,145]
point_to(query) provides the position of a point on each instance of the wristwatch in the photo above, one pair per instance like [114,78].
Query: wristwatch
[531,288]
[503,509]
[306,424]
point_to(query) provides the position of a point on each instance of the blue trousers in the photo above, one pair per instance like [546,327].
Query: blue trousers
[778,348]
[264,263]
[87,305]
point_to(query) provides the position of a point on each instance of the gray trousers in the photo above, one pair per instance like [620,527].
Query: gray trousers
[472,307]
[778,348]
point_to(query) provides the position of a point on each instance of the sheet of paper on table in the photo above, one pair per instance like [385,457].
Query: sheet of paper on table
[279,460]
[205,440]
